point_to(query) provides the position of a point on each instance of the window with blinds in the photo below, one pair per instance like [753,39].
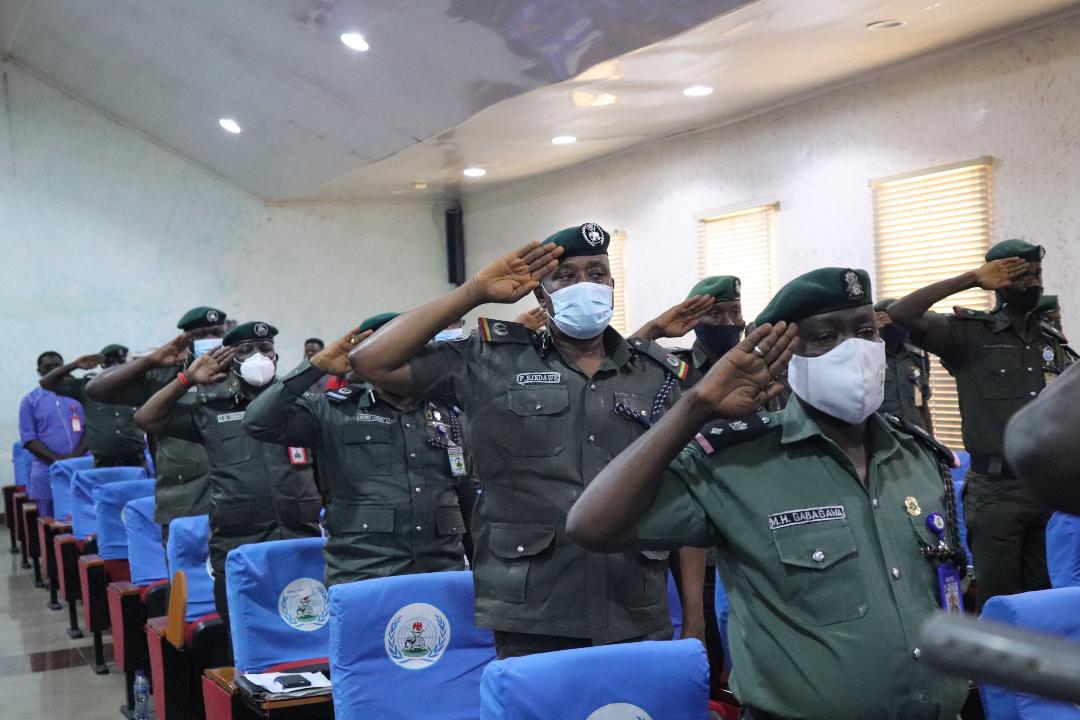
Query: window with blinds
[930,226]
[617,260]
[739,242]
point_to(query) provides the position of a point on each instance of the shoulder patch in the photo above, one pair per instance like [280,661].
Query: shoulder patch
[939,450]
[722,433]
[504,331]
[661,356]
[340,395]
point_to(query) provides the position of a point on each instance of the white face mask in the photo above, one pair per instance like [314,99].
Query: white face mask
[201,347]
[583,310]
[258,370]
[848,382]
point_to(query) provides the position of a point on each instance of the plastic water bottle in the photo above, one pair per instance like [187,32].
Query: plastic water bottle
[141,692]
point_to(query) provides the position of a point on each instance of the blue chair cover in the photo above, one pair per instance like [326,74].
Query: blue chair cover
[146,556]
[722,607]
[110,501]
[61,473]
[959,474]
[278,607]
[637,681]
[406,647]
[1063,550]
[21,461]
[1055,612]
[83,507]
[674,603]
[189,550]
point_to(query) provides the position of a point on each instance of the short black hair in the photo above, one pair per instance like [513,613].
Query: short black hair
[316,341]
[47,353]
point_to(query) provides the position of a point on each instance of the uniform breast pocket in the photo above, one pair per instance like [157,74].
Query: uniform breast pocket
[820,574]
[1002,375]
[368,448]
[236,447]
[538,420]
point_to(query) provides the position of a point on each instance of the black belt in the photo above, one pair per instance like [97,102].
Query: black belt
[992,465]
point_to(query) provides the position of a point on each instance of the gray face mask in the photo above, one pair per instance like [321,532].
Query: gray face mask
[848,382]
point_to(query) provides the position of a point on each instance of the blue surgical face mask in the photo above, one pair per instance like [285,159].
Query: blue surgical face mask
[719,338]
[201,347]
[583,310]
[448,335]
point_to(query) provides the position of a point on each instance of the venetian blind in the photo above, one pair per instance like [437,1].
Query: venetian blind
[930,226]
[739,243]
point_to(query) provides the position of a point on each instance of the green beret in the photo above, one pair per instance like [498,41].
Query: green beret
[113,349]
[1048,303]
[1016,249]
[587,239]
[817,292]
[201,317]
[377,321]
[883,304]
[721,287]
[249,332]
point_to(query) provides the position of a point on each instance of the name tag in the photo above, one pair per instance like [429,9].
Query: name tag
[230,417]
[539,378]
[806,515]
[364,417]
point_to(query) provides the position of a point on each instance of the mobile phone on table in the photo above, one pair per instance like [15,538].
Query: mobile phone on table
[291,682]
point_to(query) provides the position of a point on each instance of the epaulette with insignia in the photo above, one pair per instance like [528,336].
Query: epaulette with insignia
[504,331]
[1053,332]
[661,356]
[722,433]
[969,314]
[342,394]
[909,428]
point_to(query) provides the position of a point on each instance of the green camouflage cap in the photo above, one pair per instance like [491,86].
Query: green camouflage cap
[721,287]
[587,239]
[249,332]
[817,292]
[201,317]
[1017,249]
[377,321]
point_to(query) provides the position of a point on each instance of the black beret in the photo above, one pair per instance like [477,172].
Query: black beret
[817,292]
[114,349]
[249,332]
[587,239]
[1017,249]
[201,317]
[721,287]
[377,321]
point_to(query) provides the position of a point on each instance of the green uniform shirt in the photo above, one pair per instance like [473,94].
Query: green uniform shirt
[907,383]
[258,491]
[110,430]
[827,583]
[997,369]
[542,431]
[395,507]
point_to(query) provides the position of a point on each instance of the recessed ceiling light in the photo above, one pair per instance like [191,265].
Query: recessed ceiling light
[474,172]
[355,41]
[230,125]
[886,25]
[563,140]
[697,91]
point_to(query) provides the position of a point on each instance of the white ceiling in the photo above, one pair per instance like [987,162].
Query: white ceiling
[451,83]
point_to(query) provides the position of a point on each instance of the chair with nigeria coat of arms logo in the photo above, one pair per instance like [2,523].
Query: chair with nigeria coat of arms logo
[666,680]
[406,647]
[191,637]
[279,619]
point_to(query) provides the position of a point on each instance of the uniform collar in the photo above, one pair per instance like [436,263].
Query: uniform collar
[799,426]
[616,348]
[1001,322]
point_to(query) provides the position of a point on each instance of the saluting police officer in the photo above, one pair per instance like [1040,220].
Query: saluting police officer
[1001,360]
[395,467]
[907,372]
[182,486]
[834,529]
[258,491]
[114,440]
[547,411]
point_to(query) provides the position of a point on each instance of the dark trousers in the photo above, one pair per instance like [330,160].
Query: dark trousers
[1006,529]
[514,644]
[714,646]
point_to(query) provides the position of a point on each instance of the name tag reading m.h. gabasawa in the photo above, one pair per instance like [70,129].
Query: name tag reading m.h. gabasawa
[806,515]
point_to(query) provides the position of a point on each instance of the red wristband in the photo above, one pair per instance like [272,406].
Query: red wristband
[180,376]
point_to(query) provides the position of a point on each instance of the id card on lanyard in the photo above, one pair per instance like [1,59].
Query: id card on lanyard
[950,594]
[299,456]
[76,422]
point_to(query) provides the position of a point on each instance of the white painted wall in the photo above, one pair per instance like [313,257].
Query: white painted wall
[1017,100]
[107,237]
